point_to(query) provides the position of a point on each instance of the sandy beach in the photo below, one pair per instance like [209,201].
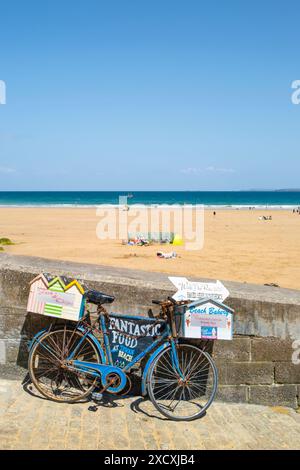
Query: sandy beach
[237,245]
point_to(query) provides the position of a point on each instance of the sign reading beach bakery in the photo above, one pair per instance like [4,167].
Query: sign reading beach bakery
[208,319]
[189,290]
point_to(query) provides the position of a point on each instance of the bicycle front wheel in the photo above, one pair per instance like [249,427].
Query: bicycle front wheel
[186,397]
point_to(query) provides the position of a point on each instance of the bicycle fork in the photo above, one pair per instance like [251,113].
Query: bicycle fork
[175,359]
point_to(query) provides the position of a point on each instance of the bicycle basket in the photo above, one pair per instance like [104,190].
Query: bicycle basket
[204,319]
[56,296]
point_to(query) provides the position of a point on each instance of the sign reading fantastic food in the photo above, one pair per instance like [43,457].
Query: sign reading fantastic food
[129,336]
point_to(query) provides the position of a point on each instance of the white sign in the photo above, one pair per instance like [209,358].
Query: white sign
[188,290]
[208,320]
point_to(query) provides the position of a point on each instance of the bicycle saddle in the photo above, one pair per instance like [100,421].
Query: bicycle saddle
[98,298]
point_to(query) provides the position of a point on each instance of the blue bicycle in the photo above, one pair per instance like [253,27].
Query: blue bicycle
[67,362]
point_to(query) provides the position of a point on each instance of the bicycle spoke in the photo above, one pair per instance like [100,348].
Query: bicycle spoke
[183,397]
[171,393]
[197,364]
[178,401]
[49,350]
[64,342]
[165,372]
[200,372]
[39,374]
[46,367]
[169,363]
[47,358]
[189,364]
[55,345]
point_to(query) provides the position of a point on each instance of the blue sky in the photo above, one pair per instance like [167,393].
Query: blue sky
[149,95]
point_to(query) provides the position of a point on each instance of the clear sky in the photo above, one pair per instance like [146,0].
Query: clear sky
[149,95]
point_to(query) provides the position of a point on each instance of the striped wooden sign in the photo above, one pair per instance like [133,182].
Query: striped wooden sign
[56,296]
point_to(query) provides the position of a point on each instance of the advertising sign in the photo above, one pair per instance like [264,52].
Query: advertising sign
[208,319]
[56,296]
[129,336]
[59,298]
[190,290]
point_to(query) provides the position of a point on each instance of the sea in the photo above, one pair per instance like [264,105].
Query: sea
[210,199]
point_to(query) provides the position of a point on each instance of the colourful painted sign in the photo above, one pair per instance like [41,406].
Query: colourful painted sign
[55,296]
[59,298]
[129,336]
[208,319]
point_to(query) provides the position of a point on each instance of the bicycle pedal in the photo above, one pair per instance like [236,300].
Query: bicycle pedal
[97,396]
[93,408]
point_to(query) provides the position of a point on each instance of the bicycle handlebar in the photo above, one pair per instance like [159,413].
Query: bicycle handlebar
[169,301]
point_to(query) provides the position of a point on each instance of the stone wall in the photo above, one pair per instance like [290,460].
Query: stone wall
[256,367]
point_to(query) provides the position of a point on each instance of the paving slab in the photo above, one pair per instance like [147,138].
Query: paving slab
[29,421]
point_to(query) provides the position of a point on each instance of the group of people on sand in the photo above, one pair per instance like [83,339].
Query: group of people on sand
[296,211]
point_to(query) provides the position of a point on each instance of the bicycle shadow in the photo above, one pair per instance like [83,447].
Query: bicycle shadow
[112,401]
[29,388]
[136,408]
[108,400]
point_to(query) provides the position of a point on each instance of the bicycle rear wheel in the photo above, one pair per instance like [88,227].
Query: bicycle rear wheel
[46,365]
[188,397]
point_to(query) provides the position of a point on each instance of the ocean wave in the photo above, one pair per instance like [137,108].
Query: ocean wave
[152,205]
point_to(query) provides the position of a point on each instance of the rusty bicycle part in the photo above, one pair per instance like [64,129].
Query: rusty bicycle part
[49,372]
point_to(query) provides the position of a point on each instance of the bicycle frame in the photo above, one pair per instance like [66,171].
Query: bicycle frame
[68,362]
[157,346]
[107,367]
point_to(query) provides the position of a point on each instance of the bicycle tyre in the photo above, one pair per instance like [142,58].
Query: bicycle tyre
[163,379]
[42,363]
